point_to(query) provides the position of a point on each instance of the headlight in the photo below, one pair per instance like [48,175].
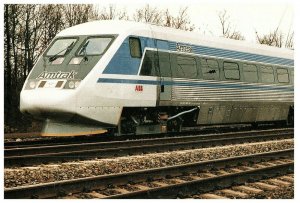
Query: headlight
[32,84]
[77,84]
[76,60]
[71,84]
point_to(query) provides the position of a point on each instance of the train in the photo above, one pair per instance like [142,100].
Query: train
[125,77]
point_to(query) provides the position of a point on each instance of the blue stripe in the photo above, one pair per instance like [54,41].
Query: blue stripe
[224,53]
[194,84]
[123,63]
[128,81]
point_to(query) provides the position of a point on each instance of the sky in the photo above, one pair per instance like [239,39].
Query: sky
[245,16]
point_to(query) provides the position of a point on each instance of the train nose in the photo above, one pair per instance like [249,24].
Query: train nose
[47,103]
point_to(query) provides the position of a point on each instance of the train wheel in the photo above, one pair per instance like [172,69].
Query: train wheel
[175,125]
[128,127]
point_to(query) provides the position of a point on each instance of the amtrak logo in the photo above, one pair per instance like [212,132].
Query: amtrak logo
[57,75]
[184,48]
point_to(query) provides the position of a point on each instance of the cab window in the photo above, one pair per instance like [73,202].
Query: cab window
[231,71]
[282,75]
[61,46]
[185,67]
[210,69]
[149,64]
[135,47]
[250,73]
[267,74]
[95,46]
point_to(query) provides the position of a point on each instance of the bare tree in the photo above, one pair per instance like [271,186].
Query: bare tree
[227,30]
[289,42]
[148,14]
[7,65]
[28,29]
[78,13]
[276,38]
[181,21]
[51,16]
[156,16]
[112,13]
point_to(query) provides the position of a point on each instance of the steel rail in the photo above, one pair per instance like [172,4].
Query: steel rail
[25,160]
[207,184]
[45,141]
[102,145]
[54,189]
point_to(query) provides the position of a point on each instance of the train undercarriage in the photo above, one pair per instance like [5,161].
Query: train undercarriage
[164,119]
[173,119]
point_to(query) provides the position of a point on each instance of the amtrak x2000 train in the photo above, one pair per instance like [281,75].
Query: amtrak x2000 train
[132,77]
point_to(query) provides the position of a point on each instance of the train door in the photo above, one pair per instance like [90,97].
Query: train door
[164,69]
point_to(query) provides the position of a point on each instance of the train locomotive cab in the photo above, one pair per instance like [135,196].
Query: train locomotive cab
[53,88]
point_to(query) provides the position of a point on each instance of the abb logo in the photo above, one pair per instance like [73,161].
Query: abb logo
[139,88]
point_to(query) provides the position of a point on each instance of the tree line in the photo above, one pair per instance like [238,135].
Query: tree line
[29,28]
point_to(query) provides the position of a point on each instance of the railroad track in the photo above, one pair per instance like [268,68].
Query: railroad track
[258,189]
[166,182]
[46,141]
[60,153]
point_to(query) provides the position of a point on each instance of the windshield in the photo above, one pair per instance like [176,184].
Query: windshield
[95,46]
[60,47]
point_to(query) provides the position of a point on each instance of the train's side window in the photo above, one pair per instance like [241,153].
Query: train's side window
[186,67]
[250,73]
[164,64]
[282,75]
[148,65]
[135,47]
[231,71]
[210,69]
[267,74]
[292,76]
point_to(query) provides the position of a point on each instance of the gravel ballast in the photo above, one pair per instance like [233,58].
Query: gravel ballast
[49,173]
[284,192]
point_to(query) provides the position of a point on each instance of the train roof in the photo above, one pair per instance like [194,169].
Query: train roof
[126,28]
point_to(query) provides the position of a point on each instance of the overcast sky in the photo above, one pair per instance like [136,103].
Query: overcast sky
[245,16]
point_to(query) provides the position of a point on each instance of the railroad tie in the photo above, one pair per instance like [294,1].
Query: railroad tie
[195,177]
[236,170]
[278,182]
[209,175]
[233,193]
[264,186]
[288,160]
[281,161]
[248,189]
[142,187]
[246,168]
[211,196]
[177,180]
[161,184]
[222,172]
[287,178]
[96,195]
[260,165]
[121,190]
[270,164]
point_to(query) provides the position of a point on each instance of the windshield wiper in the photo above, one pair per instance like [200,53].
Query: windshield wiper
[52,58]
[84,50]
